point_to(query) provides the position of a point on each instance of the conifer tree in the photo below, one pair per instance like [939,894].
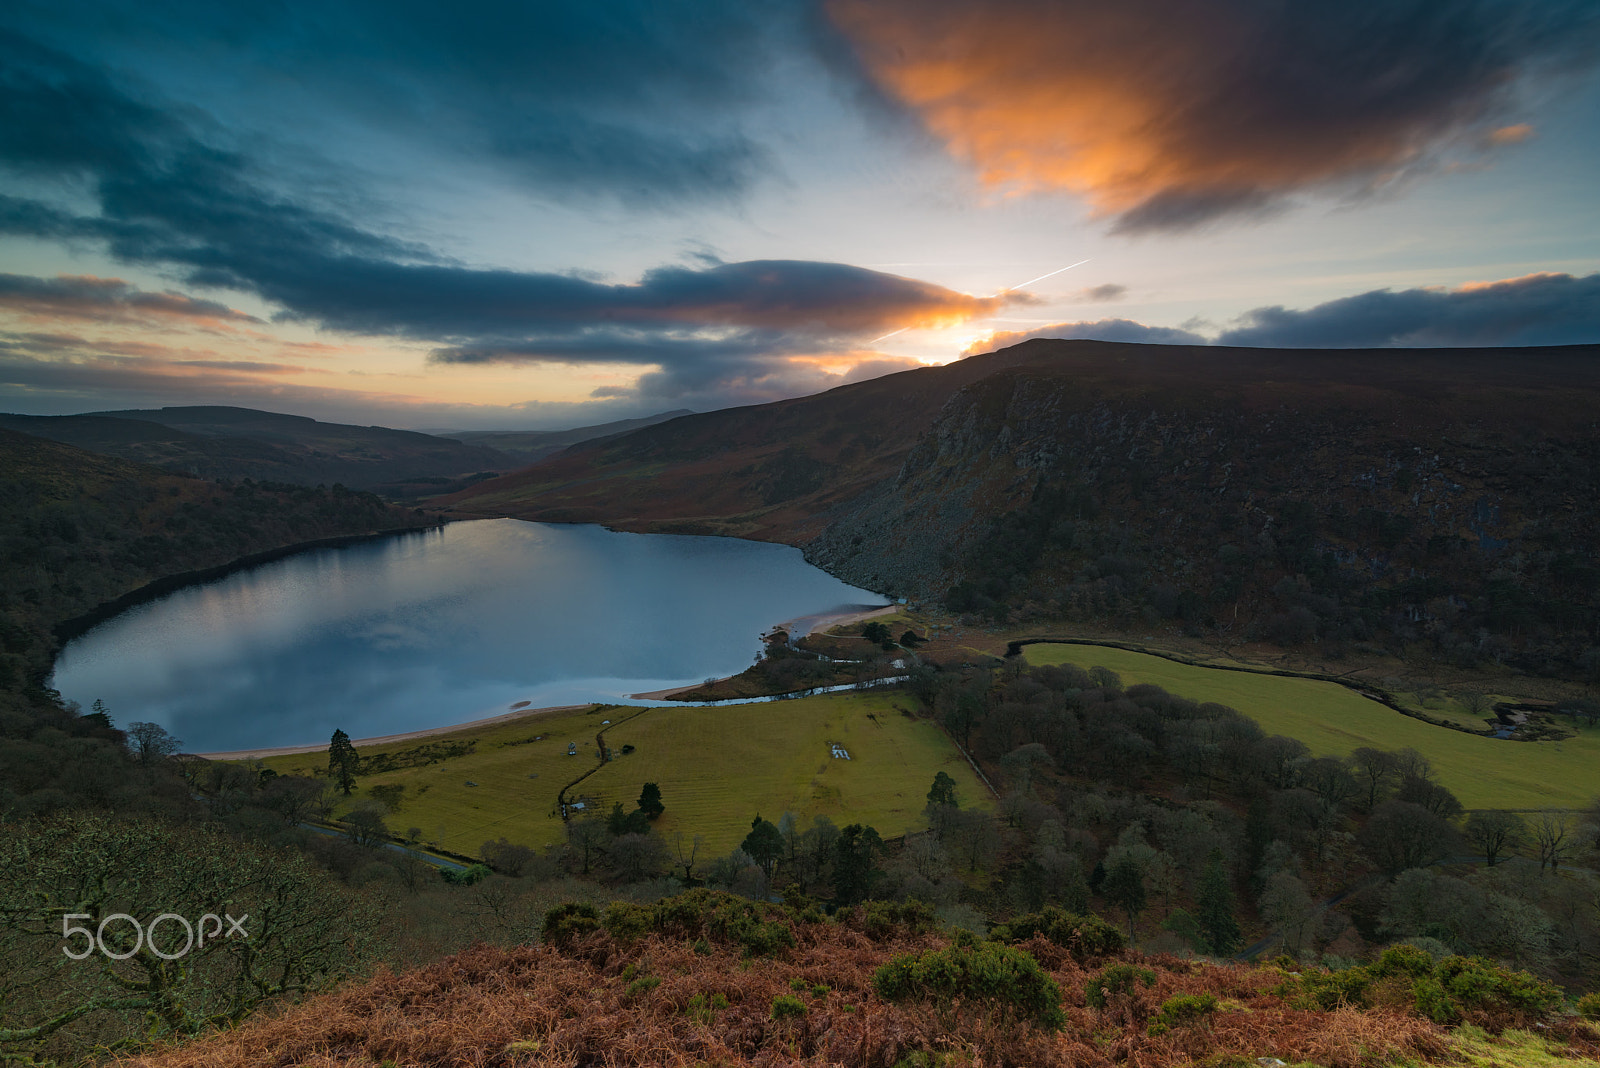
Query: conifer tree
[343,761]
[1214,907]
[650,800]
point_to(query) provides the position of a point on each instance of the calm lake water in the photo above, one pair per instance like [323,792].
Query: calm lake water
[428,629]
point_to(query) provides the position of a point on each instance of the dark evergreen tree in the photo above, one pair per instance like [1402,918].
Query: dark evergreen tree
[1124,887]
[854,862]
[343,761]
[1214,907]
[650,801]
[943,791]
[622,822]
[764,844]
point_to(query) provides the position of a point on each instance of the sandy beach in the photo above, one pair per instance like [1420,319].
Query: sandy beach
[290,750]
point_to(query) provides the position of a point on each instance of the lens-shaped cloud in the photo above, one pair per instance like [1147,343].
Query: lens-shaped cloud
[1536,309]
[106,300]
[1169,113]
[1098,330]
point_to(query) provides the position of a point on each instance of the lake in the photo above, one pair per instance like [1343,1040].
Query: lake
[439,627]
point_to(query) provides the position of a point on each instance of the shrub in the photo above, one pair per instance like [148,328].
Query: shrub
[468,876]
[787,1006]
[1478,985]
[1589,1005]
[642,985]
[703,1010]
[1330,990]
[1407,960]
[1004,978]
[1116,979]
[759,928]
[880,920]
[568,922]
[1085,937]
[1444,991]
[1183,1011]
[627,922]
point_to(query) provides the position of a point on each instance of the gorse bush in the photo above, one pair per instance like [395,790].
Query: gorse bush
[1085,937]
[880,920]
[988,977]
[1185,1010]
[1116,979]
[787,1006]
[699,916]
[568,922]
[1445,991]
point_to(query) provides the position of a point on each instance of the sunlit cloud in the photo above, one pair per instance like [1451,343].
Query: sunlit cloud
[1168,113]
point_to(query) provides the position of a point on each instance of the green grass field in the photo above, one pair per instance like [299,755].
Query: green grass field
[1334,720]
[717,767]
[517,779]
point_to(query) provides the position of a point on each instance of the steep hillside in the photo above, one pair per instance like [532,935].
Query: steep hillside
[1443,497]
[774,472]
[238,443]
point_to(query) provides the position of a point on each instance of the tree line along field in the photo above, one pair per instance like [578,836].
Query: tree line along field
[1334,720]
[717,768]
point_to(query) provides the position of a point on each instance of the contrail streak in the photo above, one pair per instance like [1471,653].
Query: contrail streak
[1007,289]
[1042,277]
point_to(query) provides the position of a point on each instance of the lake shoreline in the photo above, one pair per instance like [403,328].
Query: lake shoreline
[405,736]
[813,623]
[78,626]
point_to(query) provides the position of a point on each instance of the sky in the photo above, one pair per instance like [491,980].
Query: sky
[487,215]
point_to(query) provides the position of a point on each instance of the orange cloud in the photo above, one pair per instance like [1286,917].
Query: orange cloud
[1166,113]
[1511,135]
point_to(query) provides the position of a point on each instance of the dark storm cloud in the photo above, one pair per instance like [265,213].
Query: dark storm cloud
[613,345]
[632,98]
[1166,114]
[173,199]
[105,299]
[1538,309]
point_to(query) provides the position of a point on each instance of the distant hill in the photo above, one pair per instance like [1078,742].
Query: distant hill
[238,443]
[78,530]
[1445,500]
[529,446]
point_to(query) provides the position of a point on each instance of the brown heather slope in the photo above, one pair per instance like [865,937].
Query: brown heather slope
[1380,498]
[596,1004]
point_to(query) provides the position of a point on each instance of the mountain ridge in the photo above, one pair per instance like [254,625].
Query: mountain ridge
[1404,496]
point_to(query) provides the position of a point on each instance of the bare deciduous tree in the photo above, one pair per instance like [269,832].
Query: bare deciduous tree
[1552,836]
